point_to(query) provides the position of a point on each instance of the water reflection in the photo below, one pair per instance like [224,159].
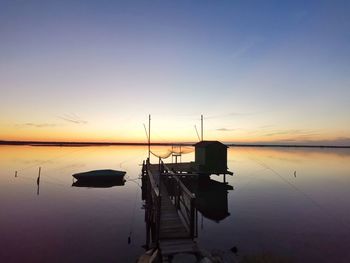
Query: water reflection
[98,184]
[267,214]
[211,199]
[63,224]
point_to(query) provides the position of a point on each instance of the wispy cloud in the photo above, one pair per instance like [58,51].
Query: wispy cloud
[37,125]
[72,118]
[225,129]
[267,126]
[291,132]
[340,141]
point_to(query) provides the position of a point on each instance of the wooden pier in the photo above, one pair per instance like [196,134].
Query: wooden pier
[171,216]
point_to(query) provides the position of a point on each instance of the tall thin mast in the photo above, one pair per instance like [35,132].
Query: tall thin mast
[149,136]
[202,127]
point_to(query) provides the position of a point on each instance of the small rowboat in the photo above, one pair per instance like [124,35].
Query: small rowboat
[100,176]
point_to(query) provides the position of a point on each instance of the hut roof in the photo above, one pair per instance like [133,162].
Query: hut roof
[206,143]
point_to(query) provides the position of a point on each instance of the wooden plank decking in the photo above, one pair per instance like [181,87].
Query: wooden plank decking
[171,226]
[174,236]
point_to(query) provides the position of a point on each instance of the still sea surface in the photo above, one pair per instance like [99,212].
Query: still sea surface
[289,203]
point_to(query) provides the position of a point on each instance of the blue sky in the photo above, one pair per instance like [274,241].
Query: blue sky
[257,70]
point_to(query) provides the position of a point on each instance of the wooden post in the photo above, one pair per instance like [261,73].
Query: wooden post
[38,182]
[177,195]
[38,179]
[158,216]
[148,229]
[192,218]
[143,168]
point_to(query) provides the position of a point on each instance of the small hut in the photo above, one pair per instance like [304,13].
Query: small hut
[211,157]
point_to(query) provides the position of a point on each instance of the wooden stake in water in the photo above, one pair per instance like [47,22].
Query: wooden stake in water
[15,173]
[38,181]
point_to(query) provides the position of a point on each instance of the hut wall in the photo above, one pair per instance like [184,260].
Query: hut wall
[211,157]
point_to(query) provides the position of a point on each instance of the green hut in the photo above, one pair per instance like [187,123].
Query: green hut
[211,157]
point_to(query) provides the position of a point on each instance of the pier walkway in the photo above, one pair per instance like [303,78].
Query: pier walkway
[171,217]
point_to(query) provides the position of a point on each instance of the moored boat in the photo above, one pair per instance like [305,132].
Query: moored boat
[106,175]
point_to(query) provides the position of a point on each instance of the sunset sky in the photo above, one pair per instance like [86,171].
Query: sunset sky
[264,71]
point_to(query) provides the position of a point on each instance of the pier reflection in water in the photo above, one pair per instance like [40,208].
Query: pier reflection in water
[211,199]
[211,196]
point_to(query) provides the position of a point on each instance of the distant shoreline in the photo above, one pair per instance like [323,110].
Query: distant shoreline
[84,144]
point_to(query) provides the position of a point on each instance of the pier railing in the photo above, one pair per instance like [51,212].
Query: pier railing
[154,199]
[183,200]
[156,177]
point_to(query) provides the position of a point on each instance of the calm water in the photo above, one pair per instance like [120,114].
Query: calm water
[302,216]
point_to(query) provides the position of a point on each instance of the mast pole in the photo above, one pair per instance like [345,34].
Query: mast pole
[149,136]
[202,127]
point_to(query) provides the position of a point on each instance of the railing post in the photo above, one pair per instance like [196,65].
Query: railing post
[192,218]
[162,167]
[159,160]
[158,216]
[144,168]
[177,187]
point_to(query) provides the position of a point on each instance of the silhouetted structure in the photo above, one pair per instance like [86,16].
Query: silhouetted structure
[171,220]
[211,157]
[174,191]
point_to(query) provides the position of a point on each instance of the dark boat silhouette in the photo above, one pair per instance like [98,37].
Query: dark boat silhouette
[98,184]
[100,176]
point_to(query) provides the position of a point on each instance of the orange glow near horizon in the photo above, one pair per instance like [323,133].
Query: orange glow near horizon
[165,136]
[169,128]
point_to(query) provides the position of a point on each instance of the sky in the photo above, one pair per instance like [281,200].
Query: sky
[259,71]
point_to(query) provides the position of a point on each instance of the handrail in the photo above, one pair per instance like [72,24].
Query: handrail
[176,177]
[153,183]
[185,197]
[156,199]
[184,188]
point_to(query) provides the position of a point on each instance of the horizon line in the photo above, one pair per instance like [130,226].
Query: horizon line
[72,143]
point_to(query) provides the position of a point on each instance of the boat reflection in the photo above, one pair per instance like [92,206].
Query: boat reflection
[98,184]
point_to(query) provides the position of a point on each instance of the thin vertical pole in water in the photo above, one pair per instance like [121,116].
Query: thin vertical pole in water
[202,127]
[38,182]
[149,136]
